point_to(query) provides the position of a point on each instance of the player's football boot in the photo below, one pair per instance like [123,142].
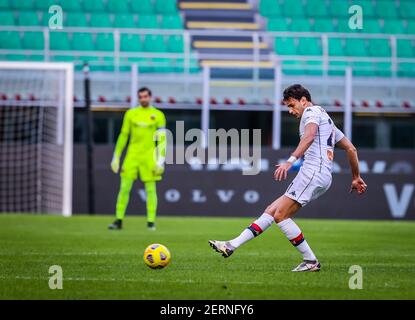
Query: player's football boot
[151,226]
[116,225]
[307,266]
[222,247]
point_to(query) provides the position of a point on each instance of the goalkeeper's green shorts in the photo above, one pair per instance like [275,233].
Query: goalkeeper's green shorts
[139,168]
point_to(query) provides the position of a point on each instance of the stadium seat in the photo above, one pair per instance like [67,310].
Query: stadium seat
[316,8]
[124,21]
[178,65]
[7,18]
[45,19]
[144,64]
[35,57]
[162,65]
[309,46]
[70,5]
[410,28]
[4,5]
[364,68]
[356,47]
[339,9]
[407,9]
[277,24]
[100,20]
[300,25]
[314,67]
[343,26]
[336,47]
[292,67]
[82,41]
[76,19]
[285,46]
[104,42]
[117,6]
[175,44]
[59,58]
[367,6]
[270,8]
[371,26]
[107,64]
[393,27]
[293,9]
[21,5]
[383,69]
[142,6]
[10,40]
[323,25]
[172,22]
[386,9]
[379,48]
[405,48]
[406,69]
[91,60]
[93,5]
[28,18]
[166,6]
[16,57]
[154,43]
[33,40]
[59,41]
[45,4]
[99,63]
[337,68]
[148,22]
[130,43]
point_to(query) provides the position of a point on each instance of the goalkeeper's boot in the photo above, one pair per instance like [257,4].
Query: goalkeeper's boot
[151,226]
[222,247]
[116,225]
[308,266]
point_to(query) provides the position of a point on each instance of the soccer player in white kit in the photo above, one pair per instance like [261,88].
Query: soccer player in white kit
[318,136]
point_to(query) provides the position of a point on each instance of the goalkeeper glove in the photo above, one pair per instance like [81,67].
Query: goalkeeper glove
[115,164]
[159,167]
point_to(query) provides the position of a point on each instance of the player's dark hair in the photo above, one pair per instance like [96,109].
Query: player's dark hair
[296,91]
[145,89]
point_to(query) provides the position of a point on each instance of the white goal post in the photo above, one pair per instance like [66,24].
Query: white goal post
[36,137]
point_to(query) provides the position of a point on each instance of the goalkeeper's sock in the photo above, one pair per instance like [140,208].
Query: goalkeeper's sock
[254,230]
[123,197]
[294,234]
[151,196]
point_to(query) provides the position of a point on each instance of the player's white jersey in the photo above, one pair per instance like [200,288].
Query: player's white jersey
[321,152]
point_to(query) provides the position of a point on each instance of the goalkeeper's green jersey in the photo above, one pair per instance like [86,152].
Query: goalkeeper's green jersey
[142,125]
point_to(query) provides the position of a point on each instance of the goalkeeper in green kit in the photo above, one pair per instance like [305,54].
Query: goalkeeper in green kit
[146,153]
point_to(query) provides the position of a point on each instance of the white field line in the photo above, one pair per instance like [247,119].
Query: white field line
[90,254]
[126,280]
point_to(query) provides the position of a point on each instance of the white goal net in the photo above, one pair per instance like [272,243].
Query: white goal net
[36,123]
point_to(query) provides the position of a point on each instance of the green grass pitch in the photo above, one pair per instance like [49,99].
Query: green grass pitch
[102,264]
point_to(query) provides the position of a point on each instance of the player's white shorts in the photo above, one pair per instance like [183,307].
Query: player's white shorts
[309,184]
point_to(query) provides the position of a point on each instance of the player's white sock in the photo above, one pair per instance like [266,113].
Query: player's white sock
[254,230]
[293,233]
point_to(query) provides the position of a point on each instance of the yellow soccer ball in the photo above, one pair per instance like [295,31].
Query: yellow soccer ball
[157,256]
